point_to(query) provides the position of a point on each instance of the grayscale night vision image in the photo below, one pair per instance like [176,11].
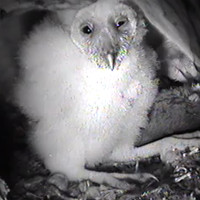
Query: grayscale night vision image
[99,99]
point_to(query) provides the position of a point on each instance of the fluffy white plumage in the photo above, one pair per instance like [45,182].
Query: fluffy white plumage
[89,85]
[87,78]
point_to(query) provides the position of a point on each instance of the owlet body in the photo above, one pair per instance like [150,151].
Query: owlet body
[89,85]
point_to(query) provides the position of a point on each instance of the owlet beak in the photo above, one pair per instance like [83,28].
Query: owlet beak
[111,58]
[109,49]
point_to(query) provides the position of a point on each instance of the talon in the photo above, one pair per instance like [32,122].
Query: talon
[182,170]
[178,179]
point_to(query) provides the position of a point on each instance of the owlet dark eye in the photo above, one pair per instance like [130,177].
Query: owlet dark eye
[121,22]
[87,29]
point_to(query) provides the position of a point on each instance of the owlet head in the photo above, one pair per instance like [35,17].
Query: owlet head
[105,32]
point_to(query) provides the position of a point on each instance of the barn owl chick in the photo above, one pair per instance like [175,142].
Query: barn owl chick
[89,85]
